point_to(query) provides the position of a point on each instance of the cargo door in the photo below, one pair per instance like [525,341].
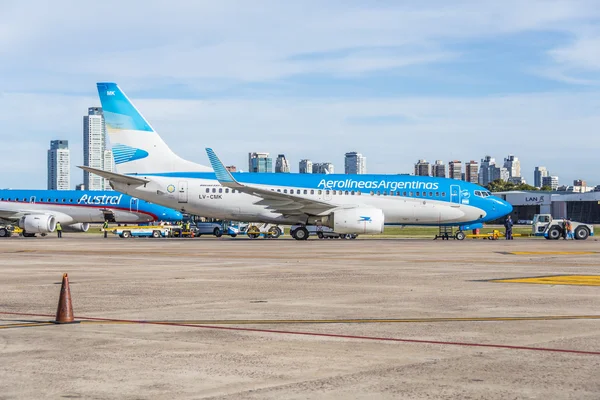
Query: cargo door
[182,192]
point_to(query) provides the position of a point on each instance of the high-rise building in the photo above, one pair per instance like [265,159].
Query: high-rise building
[305,166]
[260,162]
[438,169]
[322,168]
[422,168]
[282,164]
[513,165]
[455,169]
[551,181]
[539,173]
[472,171]
[579,182]
[59,165]
[487,170]
[355,163]
[501,173]
[94,144]
[231,168]
[109,165]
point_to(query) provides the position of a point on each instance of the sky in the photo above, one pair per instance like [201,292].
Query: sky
[394,80]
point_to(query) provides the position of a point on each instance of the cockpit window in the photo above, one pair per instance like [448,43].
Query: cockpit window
[478,193]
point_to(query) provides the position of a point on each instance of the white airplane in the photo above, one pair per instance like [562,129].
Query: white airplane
[353,204]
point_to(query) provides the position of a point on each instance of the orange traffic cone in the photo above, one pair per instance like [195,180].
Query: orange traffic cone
[64,313]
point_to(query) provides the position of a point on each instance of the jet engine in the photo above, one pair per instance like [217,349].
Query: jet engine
[368,220]
[79,227]
[38,223]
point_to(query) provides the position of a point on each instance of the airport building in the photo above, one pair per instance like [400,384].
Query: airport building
[59,165]
[305,166]
[260,162]
[355,163]
[281,164]
[581,207]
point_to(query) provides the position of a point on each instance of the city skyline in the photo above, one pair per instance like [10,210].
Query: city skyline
[455,169]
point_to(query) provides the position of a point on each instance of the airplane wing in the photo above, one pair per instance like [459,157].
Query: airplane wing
[283,203]
[113,176]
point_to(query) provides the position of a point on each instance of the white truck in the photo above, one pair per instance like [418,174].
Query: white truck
[142,231]
[552,229]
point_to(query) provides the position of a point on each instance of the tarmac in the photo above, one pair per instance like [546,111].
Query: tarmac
[271,319]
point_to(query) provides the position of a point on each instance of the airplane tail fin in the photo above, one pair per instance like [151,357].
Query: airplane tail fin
[136,146]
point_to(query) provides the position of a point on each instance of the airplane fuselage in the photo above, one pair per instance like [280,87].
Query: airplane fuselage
[71,207]
[404,200]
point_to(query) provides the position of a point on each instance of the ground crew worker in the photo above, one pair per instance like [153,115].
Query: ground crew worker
[565,229]
[105,228]
[508,224]
[58,230]
[187,226]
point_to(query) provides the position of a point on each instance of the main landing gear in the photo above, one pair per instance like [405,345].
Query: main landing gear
[300,233]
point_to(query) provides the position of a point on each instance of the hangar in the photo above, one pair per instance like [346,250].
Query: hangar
[583,207]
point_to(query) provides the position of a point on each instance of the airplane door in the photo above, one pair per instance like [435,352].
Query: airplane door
[183,192]
[32,199]
[455,195]
[134,204]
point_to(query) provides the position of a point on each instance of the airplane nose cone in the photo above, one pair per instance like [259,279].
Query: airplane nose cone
[508,208]
[499,209]
[503,208]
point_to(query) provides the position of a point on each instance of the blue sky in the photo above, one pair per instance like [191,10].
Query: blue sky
[394,80]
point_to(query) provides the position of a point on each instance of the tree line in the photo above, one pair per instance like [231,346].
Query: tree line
[503,186]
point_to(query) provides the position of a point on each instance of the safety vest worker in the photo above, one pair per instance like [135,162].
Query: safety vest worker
[105,229]
[58,230]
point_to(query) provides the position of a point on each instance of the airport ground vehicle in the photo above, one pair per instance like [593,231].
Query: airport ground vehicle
[10,230]
[324,232]
[217,229]
[552,229]
[268,231]
[142,231]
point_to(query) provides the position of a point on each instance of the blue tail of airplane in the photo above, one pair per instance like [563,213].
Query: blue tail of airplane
[137,147]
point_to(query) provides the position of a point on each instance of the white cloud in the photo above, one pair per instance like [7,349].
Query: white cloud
[583,53]
[259,41]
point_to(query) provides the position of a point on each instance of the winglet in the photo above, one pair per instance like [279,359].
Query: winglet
[223,176]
